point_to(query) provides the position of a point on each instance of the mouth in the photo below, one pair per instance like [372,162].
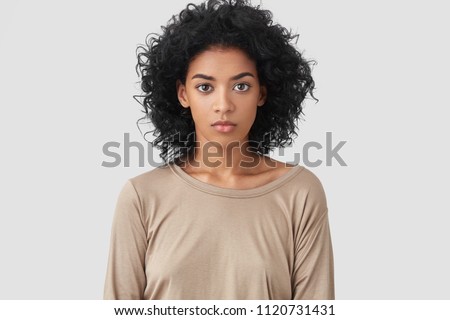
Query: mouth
[223,123]
[223,126]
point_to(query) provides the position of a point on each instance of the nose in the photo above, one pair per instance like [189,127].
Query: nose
[223,102]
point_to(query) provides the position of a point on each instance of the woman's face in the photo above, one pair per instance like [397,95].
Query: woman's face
[222,84]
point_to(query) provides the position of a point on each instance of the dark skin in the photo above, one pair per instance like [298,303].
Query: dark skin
[267,171]
[222,84]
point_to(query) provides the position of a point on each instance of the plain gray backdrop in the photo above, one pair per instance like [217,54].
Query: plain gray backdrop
[67,78]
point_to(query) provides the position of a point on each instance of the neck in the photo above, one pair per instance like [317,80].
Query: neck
[233,159]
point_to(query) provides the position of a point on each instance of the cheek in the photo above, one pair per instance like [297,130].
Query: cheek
[199,103]
[199,111]
[243,101]
[249,106]
[198,116]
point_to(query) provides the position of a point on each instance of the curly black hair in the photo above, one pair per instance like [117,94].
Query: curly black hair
[165,58]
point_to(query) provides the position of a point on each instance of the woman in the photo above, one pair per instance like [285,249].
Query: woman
[220,219]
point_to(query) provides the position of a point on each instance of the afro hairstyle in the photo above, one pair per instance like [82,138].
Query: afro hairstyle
[165,58]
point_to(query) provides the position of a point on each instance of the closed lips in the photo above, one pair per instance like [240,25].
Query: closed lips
[224,123]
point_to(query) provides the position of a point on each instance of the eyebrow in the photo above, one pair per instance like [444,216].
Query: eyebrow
[236,77]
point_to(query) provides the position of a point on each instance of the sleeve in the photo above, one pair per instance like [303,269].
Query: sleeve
[313,273]
[125,275]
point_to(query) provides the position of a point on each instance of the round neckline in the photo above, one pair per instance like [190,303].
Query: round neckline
[235,193]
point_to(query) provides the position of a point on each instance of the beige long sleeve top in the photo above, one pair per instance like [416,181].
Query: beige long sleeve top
[176,237]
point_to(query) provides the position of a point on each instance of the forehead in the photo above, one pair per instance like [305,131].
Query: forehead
[221,61]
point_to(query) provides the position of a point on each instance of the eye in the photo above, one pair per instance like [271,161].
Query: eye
[204,88]
[242,87]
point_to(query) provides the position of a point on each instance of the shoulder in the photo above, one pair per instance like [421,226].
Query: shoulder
[303,184]
[309,181]
[143,191]
[309,190]
[150,182]
[305,181]
[151,177]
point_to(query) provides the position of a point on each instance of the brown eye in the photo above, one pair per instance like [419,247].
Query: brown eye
[204,88]
[242,87]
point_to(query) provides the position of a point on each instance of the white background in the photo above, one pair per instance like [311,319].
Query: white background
[67,78]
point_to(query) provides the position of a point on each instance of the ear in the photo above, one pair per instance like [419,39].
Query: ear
[181,93]
[262,96]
